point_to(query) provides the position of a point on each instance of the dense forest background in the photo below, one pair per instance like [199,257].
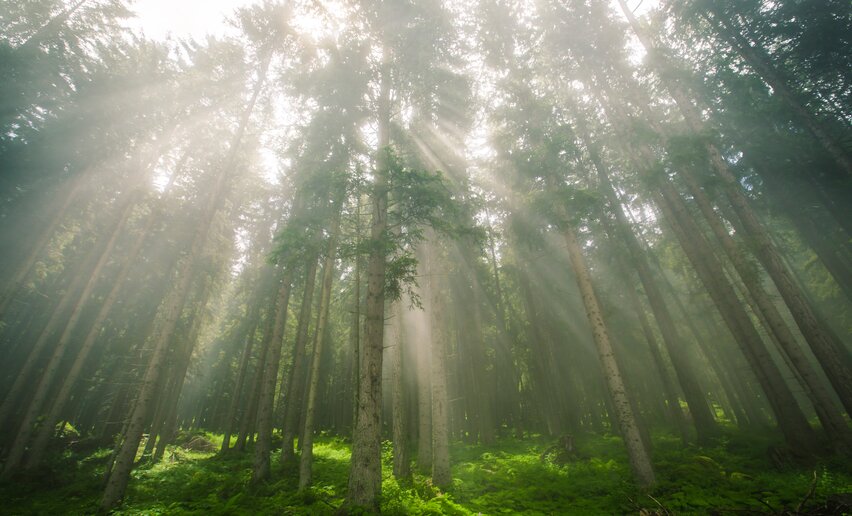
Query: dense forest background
[428,256]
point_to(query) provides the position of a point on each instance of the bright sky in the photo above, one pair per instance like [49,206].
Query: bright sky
[184,18]
[194,18]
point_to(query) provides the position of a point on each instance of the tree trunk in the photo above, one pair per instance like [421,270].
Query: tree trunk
[306,443]
[705,423]
[401,464]
[791,420]
[295,390]
[441,475]
[245,357]
[365,474]
[832,356]
[36,406]
[120,475]
[268,380]
[829,415]
[640,460]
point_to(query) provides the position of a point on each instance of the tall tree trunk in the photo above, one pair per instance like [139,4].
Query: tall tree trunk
[829,415]
[424,398]
[441,475]
[168,425]
[791,420]
[295,390]
[702,417]
[245,357]
[69,300]
[268,370]
[248,421]
[398,341]
[640,460]
[365,474]
[36,406]
[70,381]
[832,356]
[120,475]
[306,443]
[21,273]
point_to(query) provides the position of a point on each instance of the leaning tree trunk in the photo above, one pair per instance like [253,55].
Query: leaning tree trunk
[248,420]
[245,357]
[61,398]
[791,420]
[51,371]
[120,475]
[829,414]
[705,423]
[68,300]
[831,354]
[640,460]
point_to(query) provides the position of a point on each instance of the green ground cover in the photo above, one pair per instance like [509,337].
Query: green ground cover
[512,477]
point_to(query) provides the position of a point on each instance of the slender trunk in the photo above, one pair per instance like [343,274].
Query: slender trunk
[306,443]
[269,379]
[168,426]
[294,395]
[36,406]
[831,354]
[424,401]
[23,271]
[248,420]
[640,460]
[356,322]
[61,398]
[669,389]
[829,415]
[791,420]
[28,369]
[120,474]
[245,357]
[702,417]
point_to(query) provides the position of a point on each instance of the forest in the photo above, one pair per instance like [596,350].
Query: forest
[427,257]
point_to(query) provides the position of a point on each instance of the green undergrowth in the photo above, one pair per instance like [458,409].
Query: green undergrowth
[513,476]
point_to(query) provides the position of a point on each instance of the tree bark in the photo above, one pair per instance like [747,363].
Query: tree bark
[295,390]
[829,415]
[306,443]
[401,463]
[441,475]
[120,475]
[365,474]
[640,460]
[791,420]
[268,380]
[832,356]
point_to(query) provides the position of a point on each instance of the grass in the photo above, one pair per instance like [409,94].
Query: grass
[509,477]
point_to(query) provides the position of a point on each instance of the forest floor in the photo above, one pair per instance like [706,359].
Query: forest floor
[514,476]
